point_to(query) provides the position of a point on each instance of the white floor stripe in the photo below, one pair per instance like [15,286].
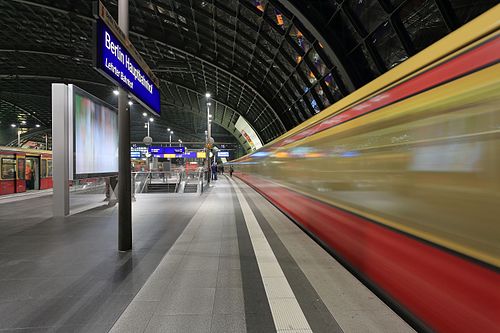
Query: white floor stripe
[286,311]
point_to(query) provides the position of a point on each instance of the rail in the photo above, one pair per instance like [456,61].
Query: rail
[141,179]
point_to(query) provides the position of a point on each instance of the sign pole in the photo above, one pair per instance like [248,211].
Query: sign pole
[124,176]
[209,135]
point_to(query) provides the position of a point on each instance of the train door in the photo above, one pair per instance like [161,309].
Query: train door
[32,173]
[20,182]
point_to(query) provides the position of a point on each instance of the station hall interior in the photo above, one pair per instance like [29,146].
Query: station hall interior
[249,166]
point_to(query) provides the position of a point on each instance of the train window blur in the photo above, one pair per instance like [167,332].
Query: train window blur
[8,168]
[20,168]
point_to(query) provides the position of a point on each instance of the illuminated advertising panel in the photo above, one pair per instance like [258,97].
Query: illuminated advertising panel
[248,133]
[95,135]
[117,59]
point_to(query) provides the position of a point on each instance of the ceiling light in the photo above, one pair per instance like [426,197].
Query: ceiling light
[209,116]
[12,125]
[151,120]
[116,92]
[144,114]
[37,125]
[130,103]
[207,95]
[23,122]
[168,129]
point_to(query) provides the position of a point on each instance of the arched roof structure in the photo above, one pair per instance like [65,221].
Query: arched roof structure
[274,62]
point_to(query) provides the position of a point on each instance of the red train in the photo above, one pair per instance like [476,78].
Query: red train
[23,170]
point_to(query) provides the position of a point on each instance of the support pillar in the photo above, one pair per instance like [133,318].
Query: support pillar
[124,172]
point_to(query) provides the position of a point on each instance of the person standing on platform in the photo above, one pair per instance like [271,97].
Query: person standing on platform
[231,171]
[214,171]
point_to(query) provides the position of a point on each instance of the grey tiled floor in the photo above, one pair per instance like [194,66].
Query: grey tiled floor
[185,274]
[197,286]
[66,274]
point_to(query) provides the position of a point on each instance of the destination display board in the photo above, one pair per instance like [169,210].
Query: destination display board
[135,154]
[191,154]
[116,58]
[166,150]
[223,154]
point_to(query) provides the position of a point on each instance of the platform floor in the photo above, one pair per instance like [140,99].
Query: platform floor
[225,261]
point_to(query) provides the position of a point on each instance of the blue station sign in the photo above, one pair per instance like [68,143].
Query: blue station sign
[166,150]
[223,153]
[116,58]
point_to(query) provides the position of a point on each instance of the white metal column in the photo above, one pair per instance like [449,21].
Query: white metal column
[60,149]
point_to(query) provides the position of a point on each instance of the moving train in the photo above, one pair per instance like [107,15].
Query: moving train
[400,181]
[23,169]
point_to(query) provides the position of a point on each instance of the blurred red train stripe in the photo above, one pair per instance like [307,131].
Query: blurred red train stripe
[479,57]
[445,291]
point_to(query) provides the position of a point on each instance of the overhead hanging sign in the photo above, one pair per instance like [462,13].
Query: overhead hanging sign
[223,154]
[116,58]
[166,150]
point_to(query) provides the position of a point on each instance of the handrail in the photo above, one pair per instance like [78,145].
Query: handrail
[168,177]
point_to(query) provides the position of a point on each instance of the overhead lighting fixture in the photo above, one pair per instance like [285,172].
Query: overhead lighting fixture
[207,95]
[168,129]
[116,92]
[130,103]
[12,125]
[151,120]
[37,125]
[23,122]
[209,116]
[172,132]
[209,104]
[144,114]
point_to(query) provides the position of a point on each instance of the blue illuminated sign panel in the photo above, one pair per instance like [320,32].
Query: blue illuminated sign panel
[116,62]
[191,154]
[135,154]
[223,153]
[166,150]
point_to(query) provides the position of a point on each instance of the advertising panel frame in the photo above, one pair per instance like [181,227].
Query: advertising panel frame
[72,90]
